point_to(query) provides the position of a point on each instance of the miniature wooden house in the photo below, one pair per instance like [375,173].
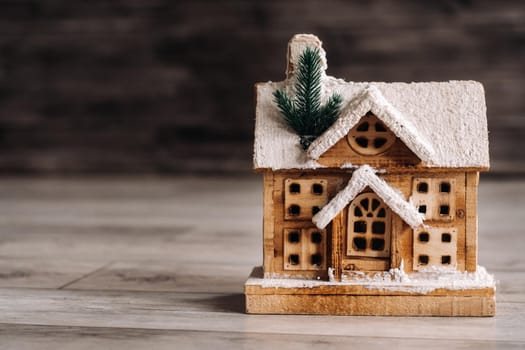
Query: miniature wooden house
[378,216]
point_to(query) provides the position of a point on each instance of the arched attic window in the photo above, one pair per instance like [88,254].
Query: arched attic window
[370,136]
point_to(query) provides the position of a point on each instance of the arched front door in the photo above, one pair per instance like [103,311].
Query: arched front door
[369,227]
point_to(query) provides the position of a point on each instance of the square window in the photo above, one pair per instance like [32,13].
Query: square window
[294,210]
[316,237]
[304,198]
[299,245]
[293,259]
[424,237]
[359,243]
[435,197]
[434,246]
[294,237]
[378,244]
[444,210]
[378,227]
[423,259]
[444,187]
[316,259]
[360,226]
[295,188]
[317,189]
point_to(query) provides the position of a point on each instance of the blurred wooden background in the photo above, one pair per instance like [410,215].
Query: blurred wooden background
[135,86]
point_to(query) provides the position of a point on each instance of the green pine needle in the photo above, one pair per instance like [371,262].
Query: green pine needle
[304,113]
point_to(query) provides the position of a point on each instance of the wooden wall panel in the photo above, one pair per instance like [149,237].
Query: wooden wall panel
[335,183]
[398,156]
[471,221]
[268,221]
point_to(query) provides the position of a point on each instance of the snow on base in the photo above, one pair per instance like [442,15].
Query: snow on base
[421,282]
[424,281]
[273,275]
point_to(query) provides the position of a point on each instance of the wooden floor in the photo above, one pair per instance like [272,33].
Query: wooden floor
[160,263]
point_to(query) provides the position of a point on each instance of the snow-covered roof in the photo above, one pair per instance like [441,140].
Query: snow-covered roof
[361,178]
[443,123]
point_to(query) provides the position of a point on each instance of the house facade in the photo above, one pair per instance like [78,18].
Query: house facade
[391,184]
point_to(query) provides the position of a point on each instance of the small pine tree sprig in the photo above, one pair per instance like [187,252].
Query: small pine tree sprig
[304,113]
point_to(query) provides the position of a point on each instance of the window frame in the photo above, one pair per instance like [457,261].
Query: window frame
[368,235]
[308,201]
[435,248]
[371,135]
[305,249]
[433,199]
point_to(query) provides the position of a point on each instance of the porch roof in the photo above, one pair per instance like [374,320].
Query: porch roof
[365,176]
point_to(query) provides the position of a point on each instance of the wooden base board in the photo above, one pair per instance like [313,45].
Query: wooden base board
[360,301]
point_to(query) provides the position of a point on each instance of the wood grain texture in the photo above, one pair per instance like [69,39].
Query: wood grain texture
[171,276]
[47,338]
[471,221]
[165,86]
[338,230]
[305,200]
[367,305]
[398,156]
[269,250]
[217,312]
